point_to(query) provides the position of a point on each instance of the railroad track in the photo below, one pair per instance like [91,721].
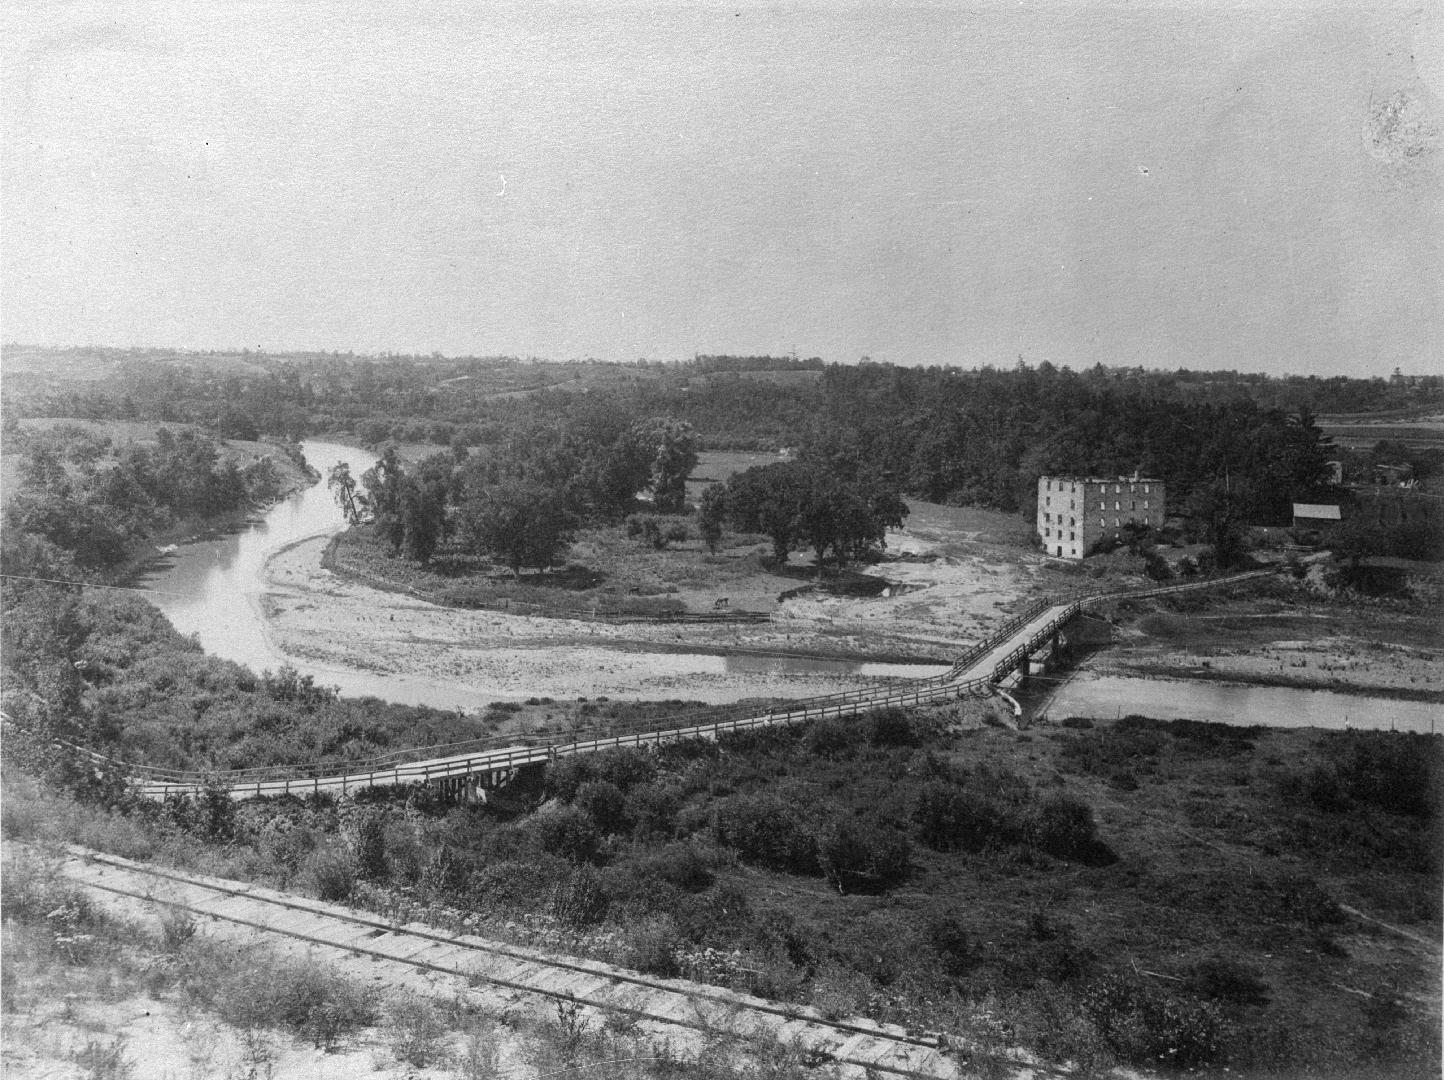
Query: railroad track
[412,948]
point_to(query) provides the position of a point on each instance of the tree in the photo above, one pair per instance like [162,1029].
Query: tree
[711,515]
[797,503]
[343,486]
[672,445]
[1357,539]
[521,524]
[423,516]
[383,483]
[1217,509]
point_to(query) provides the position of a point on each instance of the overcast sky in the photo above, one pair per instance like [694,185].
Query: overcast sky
[1176,185]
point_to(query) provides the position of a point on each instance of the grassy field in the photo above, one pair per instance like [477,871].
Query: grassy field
[717,466]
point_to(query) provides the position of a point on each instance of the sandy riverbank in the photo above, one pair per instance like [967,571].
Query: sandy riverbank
[1338,648]
[323,619]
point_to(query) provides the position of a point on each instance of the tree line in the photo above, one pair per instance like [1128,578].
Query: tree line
[522,503]
[1236,447]
[83,503]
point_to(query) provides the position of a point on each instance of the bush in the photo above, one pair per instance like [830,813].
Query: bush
[569,833]
[652,810]
[297,995]
[764,830]
[515,884]
[604,804]
[952,818]
[891,727]
[651,947]
[833,737]
[680,865]
[331,875]
[625,766]
[578,899]
[1145,1026]
[1064,827]
[364,828]
[861,856]
[565,775]
[415,1031]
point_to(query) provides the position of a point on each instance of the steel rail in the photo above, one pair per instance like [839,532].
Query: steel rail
[734,1002]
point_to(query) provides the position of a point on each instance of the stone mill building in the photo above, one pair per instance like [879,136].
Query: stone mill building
[1075,513]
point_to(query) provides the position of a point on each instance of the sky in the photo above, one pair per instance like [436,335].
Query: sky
[1202,185]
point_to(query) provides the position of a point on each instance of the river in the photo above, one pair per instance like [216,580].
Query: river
[212,587]
[1111,696]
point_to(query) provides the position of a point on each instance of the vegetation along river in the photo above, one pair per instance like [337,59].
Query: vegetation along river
[212,587]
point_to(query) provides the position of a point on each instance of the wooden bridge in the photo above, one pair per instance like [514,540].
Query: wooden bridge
[469,769]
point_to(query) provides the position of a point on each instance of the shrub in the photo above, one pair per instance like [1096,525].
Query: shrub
[891,727]
[833,737]
[604,804]
[415,1031]
[515,883]
[297,995]
[1064,827]
[652,810]
[1145,1026]
[565,775]
[331,875]
[578,899]
[177,927]
[651,947]
[861,856]
[952,818]
[364,828]
[839,992]
[677,864]
[625,766]
[768,832]
[569,833]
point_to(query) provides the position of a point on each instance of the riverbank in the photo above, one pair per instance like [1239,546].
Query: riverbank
[953,588]
[1297,642]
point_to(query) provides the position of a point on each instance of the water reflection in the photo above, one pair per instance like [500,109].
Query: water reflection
[1111,696]
[212,586]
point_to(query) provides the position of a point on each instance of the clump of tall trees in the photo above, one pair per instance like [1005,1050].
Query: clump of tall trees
[521,504]
[805,505]
[83,503]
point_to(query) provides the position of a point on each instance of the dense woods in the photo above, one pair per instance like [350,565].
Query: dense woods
[83,502]
[977,437]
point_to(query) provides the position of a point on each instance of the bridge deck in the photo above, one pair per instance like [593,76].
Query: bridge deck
[982,665]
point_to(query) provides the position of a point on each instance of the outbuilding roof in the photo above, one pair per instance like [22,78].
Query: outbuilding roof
[1318,511]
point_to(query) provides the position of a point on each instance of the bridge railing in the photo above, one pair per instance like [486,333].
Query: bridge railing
[503,752]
